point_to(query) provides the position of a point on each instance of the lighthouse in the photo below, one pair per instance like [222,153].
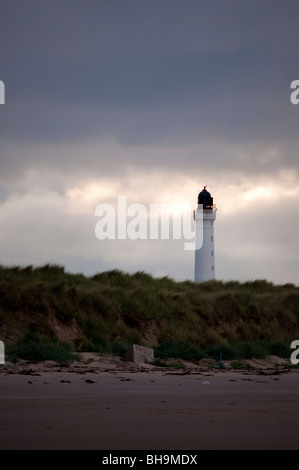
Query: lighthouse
[204,217]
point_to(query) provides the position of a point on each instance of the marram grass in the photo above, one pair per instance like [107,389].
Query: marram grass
[113,309]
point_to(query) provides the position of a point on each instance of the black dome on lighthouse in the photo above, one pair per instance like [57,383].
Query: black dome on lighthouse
[205,199]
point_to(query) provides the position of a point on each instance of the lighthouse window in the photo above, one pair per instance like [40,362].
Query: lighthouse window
[211,238]
[212,268]
[212,253]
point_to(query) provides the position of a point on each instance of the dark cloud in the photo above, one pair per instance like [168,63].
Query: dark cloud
[143,71]
[117,88]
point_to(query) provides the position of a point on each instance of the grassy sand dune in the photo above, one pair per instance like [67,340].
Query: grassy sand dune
[111,310]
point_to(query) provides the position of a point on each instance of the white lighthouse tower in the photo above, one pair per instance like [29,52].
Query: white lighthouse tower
[204,217]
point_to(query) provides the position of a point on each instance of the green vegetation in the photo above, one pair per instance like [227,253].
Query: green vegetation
[240,350]
[40,348]
[241,365]
[181,349]
[174,364]
[112,310]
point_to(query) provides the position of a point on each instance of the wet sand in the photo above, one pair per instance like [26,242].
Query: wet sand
[110,405]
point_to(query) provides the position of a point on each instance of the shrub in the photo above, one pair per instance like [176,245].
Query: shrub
[175,364]
[241,365]
[35,348]
[277,348]
[181,349]
[237,351]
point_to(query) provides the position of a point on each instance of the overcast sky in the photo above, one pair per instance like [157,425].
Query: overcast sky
[152,100]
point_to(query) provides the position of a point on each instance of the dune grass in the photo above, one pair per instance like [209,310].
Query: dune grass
[35,348]
[112,310]
[236,351]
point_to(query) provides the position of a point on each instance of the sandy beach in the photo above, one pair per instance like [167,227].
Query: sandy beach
[103,403]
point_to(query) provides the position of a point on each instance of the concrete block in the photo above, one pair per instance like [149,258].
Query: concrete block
[139,354]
